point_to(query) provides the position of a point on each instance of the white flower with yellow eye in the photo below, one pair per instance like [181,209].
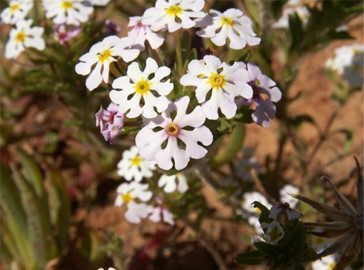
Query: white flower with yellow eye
[225,83]
[133,167]
[97,61]
[24,36]
[232,25]
[174,14]
[142,92]
[68,11]
[130,194]
[16,11]
[175,136]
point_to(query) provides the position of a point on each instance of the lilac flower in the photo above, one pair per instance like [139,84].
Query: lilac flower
[63,35]
[265,92]
[110,122]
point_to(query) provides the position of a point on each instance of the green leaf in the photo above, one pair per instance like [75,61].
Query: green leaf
[296,30]
[63,209]
[35,228]
[14,218]
[253,257]
[268,249]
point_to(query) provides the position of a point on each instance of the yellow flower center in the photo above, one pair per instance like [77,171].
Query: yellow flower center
[257,210]
[142,87]
[216,80]
[226,21]
[135,161]
[127,197]
[104,55]
[14,7]
[172,129]
[174,10]
[67,4]
[20,37]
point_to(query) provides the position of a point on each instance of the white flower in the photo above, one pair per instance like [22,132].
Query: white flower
[286,198]
[164,138]
[326,263]
[141,33]
[225,82]
[348,62]
[283,21]
[68,11]
[250,197]
[100,56]
[274,232]
[170,183]
[23,36]
[129,193]
[133,166]
[140,93]
[16,11]
[173,14]
[136,212]
[232,25]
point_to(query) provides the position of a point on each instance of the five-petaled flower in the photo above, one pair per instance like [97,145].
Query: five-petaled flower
[23,36]
[110,121]
[130,194]
[174,14]
[232,25]
[16,11]
[133,167]
[172,141]
[142,91]
[67,11]
[99,58]
[224,81]
[265,92]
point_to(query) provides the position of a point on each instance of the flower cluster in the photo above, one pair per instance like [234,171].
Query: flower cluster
[135,194]
[174,106]
[65,14]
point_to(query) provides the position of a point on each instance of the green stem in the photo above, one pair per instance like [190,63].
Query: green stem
[178,52]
